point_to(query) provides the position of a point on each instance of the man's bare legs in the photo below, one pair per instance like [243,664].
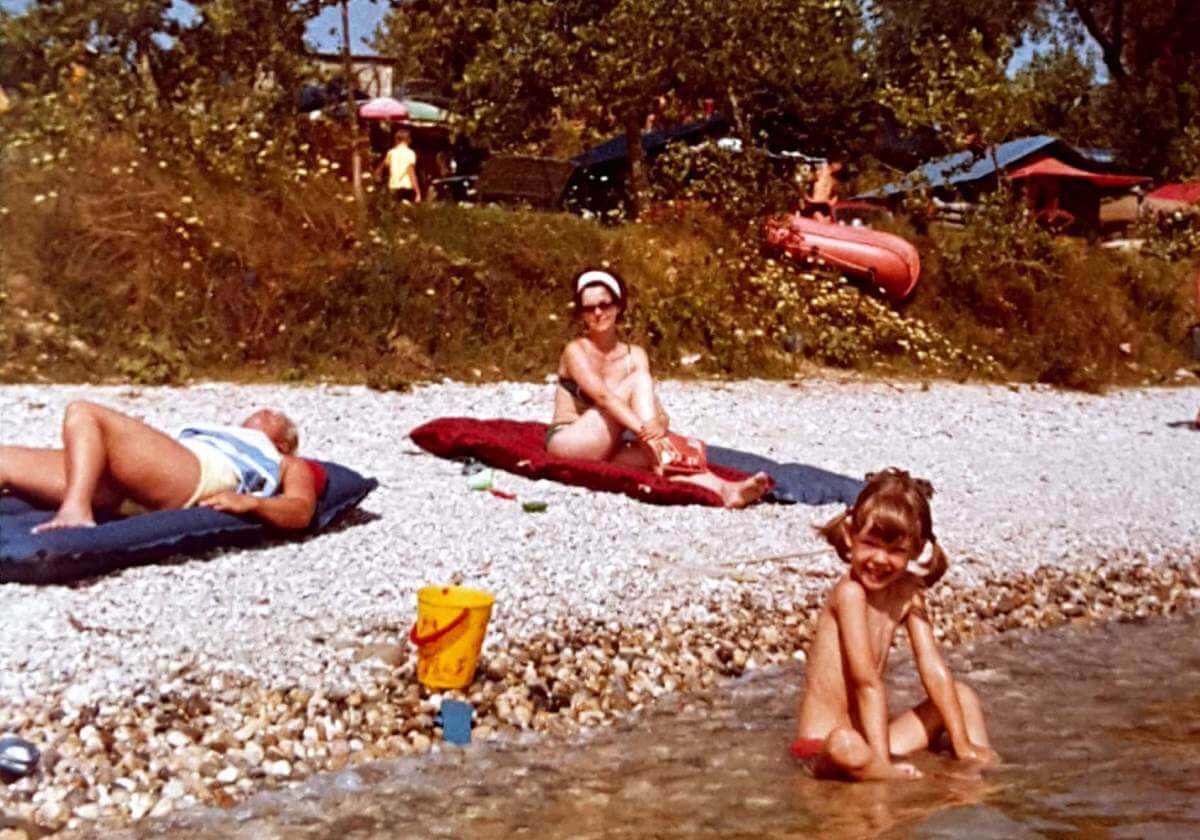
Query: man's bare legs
[106,456]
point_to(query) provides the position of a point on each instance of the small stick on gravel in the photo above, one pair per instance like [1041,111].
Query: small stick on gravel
[779,558]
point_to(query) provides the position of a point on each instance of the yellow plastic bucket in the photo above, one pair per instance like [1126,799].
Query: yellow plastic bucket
[451,623]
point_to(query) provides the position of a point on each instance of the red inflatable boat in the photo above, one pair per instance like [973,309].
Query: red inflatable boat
[884,259]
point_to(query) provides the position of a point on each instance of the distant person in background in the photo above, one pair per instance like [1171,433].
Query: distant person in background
[401,163]
[820,202]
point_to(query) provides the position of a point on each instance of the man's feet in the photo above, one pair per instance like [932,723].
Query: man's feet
[746,492]
[67,517]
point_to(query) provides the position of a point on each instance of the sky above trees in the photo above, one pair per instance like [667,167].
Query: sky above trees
[325,31]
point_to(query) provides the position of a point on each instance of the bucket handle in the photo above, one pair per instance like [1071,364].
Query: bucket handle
[421,641]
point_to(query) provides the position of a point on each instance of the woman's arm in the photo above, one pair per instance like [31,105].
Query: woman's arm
[936,677]
[593,385]
[866,683]
[291,508]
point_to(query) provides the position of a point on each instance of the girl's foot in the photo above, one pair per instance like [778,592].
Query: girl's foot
[746,492]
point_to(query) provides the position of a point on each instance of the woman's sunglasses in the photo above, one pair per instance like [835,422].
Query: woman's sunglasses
[596,308]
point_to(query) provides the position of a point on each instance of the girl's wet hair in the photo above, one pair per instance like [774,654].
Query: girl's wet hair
[601,278]
[892,507]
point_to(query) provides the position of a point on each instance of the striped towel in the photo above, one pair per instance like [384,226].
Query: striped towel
[256,459]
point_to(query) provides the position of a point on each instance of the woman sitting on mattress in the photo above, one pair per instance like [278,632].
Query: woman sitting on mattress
[114,463]
[605,389]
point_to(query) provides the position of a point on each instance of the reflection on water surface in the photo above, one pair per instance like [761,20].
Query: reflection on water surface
[1099,727]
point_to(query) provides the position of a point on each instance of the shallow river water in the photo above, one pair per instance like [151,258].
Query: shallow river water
[1099,728]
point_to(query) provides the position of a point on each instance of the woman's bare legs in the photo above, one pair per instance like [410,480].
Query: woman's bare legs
[106,456]
[596,436]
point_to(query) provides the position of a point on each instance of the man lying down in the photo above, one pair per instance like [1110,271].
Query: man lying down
[114,464]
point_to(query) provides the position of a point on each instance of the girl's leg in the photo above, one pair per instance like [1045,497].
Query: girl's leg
[917,728]
[846,755]
[143,463]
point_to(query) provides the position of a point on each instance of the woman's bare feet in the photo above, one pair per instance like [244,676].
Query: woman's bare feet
[743,493]
[67,517]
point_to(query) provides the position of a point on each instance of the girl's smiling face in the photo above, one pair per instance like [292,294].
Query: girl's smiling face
[875,562]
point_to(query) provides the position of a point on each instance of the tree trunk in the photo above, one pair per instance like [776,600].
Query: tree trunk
[355,144]
[636,179]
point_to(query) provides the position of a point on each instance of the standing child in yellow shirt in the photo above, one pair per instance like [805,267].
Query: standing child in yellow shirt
[401,163]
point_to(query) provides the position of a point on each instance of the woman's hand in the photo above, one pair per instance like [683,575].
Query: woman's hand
[653,448]
[652,430]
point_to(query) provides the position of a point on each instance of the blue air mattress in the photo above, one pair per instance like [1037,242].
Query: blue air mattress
[73,553]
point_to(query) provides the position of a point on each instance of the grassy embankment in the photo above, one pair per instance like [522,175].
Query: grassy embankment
[115,266]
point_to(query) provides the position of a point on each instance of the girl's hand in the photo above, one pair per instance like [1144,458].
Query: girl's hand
[978,754]
[900,771]
[904,771]
[230,502]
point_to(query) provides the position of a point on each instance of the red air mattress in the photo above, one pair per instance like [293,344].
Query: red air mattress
[886,260]
[519,447]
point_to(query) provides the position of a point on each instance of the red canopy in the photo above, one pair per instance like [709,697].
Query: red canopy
[1187,193]
[1055,168]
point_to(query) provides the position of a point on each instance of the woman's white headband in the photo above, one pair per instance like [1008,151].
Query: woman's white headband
[589,278]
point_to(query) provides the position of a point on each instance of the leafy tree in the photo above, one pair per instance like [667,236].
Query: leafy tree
[965,92]
[1151,50]
[1134,36]
[517,66]
[198,90]
[900,24]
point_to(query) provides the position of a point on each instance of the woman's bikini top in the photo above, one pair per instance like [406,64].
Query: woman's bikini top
[572,387]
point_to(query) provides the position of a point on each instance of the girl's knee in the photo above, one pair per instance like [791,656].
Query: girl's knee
[847,748]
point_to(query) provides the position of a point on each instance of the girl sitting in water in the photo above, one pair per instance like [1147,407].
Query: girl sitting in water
[605,388]
[843,722]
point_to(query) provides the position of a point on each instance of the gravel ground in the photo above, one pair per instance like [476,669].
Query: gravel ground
[1025,477]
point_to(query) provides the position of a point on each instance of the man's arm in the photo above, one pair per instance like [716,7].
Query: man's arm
[291,508]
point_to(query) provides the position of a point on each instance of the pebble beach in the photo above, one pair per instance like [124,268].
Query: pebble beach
[202,680]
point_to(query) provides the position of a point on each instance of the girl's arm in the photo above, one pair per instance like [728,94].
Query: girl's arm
[594,386]
[866,682]
[936,677]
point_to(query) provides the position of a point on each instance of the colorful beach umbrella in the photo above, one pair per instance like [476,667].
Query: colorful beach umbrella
[384,109]
[424,112]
